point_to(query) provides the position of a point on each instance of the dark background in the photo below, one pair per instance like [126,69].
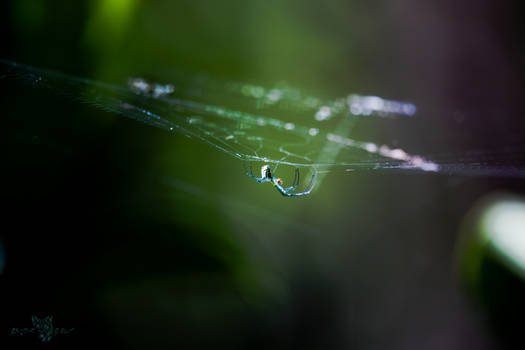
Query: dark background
[141,239]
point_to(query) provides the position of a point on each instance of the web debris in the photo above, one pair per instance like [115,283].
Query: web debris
[140,86]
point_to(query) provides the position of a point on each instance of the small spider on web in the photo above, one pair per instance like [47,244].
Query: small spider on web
[275,125]
[268,176]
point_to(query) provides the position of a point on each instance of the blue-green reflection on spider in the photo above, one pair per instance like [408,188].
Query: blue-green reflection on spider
[267,176]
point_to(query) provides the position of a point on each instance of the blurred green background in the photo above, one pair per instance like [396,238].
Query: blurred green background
[141,239]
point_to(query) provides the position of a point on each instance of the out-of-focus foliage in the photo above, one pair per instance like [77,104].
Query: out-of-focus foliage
[140,239]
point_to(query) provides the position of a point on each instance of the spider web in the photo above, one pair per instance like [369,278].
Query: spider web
[277,125]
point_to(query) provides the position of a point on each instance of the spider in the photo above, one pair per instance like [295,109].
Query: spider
[267,176]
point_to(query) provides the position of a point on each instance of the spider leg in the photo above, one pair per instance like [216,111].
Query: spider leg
[295,181]
[296,178]
[250,174]
[305,192]
[275,169]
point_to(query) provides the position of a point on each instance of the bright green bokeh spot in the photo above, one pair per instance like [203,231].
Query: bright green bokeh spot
[109,20]
[107,34]
[503,227]
[494,230]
